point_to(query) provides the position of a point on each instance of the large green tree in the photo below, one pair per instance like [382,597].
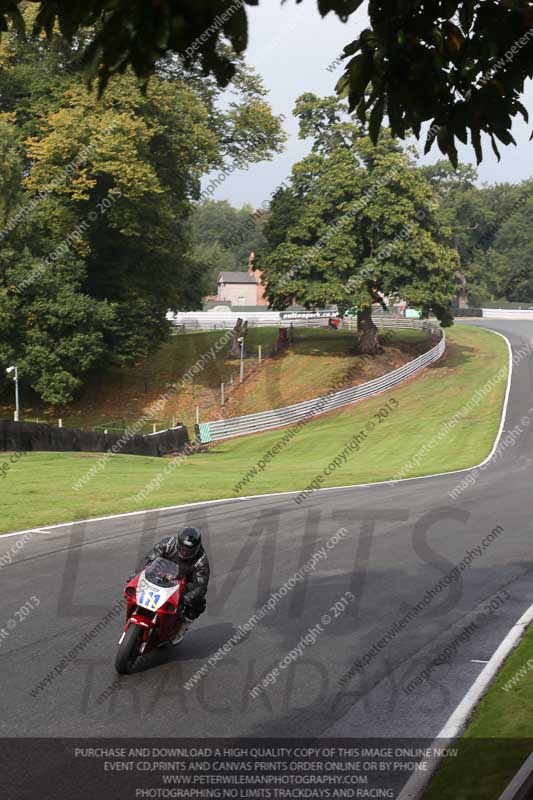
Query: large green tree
[459,65]
[97,194]
[469,216]
[49,325]
[490,229]
[508,260]
[367,226]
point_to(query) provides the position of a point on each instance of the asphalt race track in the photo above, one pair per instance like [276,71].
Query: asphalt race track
[401,541]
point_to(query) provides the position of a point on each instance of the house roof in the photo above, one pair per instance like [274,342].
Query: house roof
[236,277]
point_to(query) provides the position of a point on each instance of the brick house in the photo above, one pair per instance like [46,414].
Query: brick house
[242,288]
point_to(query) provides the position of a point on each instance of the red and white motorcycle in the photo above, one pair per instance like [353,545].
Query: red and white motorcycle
[154,613]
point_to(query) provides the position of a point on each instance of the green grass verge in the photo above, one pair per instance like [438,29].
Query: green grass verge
[499,738]
[38,489]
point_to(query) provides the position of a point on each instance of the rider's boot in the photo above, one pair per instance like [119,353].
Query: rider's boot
[181,632]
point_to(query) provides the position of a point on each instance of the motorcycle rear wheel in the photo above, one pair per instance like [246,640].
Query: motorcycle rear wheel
[128,651]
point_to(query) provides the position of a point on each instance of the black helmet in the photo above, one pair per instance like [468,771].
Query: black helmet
[189,542]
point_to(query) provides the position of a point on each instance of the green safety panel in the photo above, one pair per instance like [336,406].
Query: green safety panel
[205,432]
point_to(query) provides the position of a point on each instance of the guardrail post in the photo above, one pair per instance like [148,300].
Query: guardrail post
[59,423]
[260,353]
[154,428]
[222,394]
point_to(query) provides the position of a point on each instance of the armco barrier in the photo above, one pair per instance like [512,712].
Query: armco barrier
[507,313]
[391,321]
[33,436]
[302,412]
[521,787]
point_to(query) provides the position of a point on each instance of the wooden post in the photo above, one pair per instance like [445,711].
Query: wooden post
[173,422]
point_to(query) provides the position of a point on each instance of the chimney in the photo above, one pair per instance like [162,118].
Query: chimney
[251,260]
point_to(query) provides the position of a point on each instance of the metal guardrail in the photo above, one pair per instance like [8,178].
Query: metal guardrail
[303,412]
[507,313]
[390,321]
[521,787]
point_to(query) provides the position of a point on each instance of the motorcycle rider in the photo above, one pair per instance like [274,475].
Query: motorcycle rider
[186,550]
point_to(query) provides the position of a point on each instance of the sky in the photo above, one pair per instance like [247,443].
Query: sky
[291,47]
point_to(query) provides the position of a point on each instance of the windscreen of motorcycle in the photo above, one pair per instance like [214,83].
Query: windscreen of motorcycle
[157,584]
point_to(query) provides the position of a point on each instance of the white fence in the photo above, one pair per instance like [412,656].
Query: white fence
[190,321]
[303,412]
[507,313]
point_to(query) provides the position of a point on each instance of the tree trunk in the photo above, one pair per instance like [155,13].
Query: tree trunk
[368,333]
[235,348]
[240,330]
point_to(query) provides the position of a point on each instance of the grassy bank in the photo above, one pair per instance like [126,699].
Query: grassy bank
[38,488]
[117,397]
[499,738]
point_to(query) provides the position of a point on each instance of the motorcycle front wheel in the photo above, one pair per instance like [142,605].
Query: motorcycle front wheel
[128,650]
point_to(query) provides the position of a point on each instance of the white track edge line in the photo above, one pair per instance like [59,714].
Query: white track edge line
[455,725]
[48,528]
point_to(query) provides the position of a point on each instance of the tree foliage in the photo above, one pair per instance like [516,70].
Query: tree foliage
[95,197]
[53,330]
[364,225]
[489,226]
[459,65]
